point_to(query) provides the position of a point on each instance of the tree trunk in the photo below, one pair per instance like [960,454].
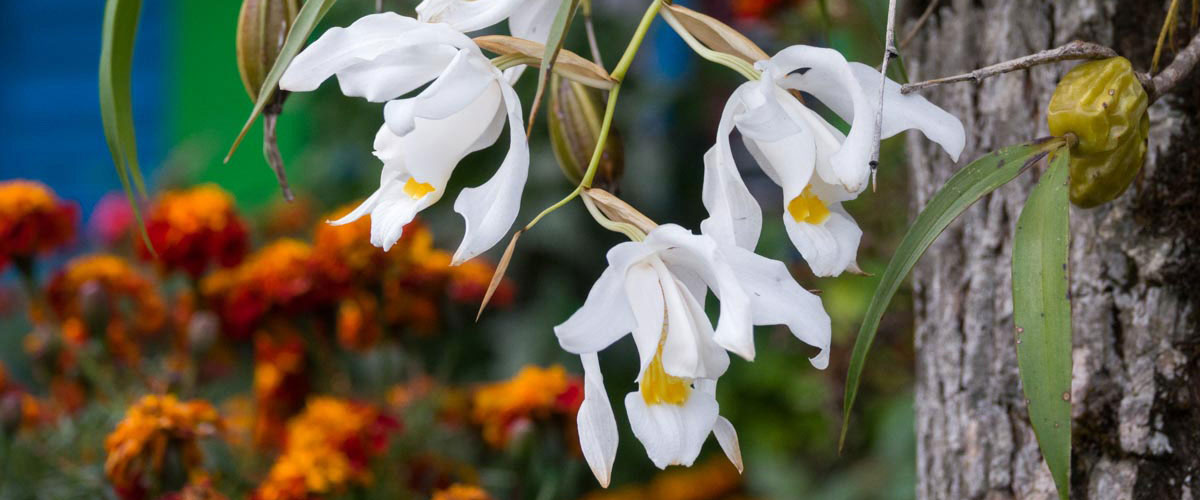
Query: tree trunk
[1135,271]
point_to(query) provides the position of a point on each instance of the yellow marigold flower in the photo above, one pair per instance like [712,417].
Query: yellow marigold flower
[461,492]
[193,228]
[534,392]
[327,450]
[33,220]
[154,427]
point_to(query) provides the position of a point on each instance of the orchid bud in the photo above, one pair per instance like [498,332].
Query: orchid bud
[575,122]
[262,27]
[1104,106]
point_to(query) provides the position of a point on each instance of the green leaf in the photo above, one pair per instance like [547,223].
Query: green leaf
[1042,315]
[306,20]
[554,43]
[967,186]
[116,101]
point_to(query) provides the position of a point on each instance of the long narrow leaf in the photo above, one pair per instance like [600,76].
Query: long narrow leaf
[554,43]
[116,99]
[1042,315]
[306,20]
[967,186]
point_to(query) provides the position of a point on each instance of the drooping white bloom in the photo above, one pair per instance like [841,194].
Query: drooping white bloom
[655,290]
[382,57]
[528,19]
[791,143]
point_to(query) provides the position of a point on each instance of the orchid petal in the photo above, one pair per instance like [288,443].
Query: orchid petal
[597,425]
[829,247]
[461,84]
[385,40]
[679,247]
[466,15]
[672,434]
[643,291]
[604,317]
[903,112]
[490,209]
[733,213]
[777,299]
[830,79]
[532,21]
[723,429]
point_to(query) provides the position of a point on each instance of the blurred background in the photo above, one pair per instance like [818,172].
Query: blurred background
[421,365]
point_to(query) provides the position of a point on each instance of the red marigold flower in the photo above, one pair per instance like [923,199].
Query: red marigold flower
[280,277]
[33,220]
[195,228]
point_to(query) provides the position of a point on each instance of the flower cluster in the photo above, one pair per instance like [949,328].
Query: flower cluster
[328,449]
[195,228]
[104,294]
[158,432]
[33,220]
[275,279]
[505,408]
[710,480]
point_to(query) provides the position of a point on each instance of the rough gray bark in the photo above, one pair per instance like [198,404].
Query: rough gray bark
[1135,273]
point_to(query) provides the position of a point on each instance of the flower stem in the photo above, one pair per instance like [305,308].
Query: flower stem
[731,62]
[617,74]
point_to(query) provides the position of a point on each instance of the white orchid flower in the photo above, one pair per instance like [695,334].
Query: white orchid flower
[382,57]
[655,290]
[791,143]
[528,19]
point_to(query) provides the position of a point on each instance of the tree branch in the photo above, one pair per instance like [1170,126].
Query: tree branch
[1183,64]
[916,28]
[889,51]
[1074,50]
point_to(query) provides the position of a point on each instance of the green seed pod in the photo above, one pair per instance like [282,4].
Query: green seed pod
[262,27]
[575,120]
[1104,105]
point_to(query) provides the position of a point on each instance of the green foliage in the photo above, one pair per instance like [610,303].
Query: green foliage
[970,184]
[1042,315]
[116,103]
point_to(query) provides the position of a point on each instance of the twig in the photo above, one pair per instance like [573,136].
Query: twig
[591,38]
[378,5]
[1183,64]
[889,51]
[912,32]
[1167,26]
[1074,50]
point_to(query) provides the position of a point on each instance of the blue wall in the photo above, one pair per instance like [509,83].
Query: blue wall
[49,107]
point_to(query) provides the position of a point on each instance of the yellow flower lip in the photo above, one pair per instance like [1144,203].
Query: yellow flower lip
[657,387]
[417,189]
[807,207]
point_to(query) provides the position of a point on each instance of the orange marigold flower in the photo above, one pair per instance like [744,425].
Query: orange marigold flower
[197,489]
[327,450]
[535,392]
[157,432]
[33,220]
[346,253]
[100,286]
[461,492]
[194,228]
[104,295]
